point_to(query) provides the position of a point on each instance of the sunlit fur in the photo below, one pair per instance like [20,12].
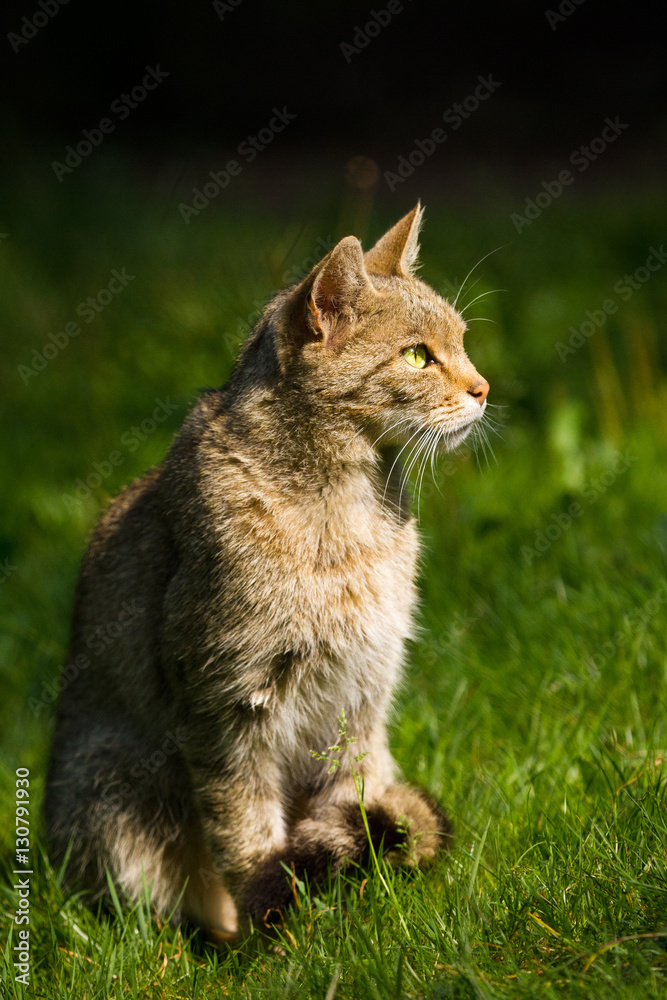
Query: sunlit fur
[274,557]
[382,392]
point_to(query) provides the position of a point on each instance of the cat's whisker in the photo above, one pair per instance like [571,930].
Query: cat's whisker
[494,430]
[422,450]
[433,436]
[414,451]
[393,466]
[485,430]
[495,421]
[475,445]
[435,479]
[399,423]
[434,452]
[475,282]
[496,418]
[482,436]
[472,442]
[464,281]
[422,468]
[481,319]
[412,459]
[474,267]
[355,436]
[362,430]
[491,291]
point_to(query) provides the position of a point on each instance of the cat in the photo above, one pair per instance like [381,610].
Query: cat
[270,563]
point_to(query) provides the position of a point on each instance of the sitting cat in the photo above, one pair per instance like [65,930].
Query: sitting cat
[272,561]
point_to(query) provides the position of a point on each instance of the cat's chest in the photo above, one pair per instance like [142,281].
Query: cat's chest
[325,580]
[338,559]
[337,629]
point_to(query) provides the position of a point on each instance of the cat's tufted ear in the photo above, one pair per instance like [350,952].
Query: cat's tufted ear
[396,252]
[334,297]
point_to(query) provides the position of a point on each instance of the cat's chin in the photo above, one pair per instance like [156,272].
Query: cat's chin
[452,439]
[448,440]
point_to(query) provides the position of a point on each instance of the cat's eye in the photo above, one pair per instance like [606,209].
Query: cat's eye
[417,356]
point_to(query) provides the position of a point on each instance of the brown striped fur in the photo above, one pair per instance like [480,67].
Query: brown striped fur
[272,560]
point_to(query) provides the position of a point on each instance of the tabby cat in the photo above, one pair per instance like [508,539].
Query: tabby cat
[268,566]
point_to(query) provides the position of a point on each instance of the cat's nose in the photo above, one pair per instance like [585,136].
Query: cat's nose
[480,391]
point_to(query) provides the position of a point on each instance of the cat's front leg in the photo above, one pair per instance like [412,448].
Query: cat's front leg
[404,824]
[241,822]
[339,830]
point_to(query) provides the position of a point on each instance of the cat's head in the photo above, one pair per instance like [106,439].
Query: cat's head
[365,336]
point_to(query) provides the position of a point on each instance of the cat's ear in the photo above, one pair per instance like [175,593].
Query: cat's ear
[337,283]
[396,252]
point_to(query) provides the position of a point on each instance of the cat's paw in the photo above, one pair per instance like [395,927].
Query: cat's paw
[270,891]
[411,827]
[273,886]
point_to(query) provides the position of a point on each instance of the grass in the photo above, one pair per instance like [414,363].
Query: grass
[534,704]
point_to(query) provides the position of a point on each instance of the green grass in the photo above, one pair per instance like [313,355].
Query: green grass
[534,704]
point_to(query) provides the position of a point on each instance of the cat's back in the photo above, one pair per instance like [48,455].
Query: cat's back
[117,614]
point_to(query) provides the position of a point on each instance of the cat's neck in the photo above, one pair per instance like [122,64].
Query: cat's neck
[309,444]
[291,431]
[303,448]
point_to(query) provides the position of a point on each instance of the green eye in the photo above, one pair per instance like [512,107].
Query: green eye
[416,356]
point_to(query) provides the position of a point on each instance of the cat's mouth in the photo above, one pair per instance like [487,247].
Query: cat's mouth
[454,432]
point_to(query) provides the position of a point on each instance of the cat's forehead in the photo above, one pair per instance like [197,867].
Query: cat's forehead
[419,305]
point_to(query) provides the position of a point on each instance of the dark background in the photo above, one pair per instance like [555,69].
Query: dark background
[226,75]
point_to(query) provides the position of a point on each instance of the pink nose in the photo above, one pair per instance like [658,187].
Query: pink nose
[480,391]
